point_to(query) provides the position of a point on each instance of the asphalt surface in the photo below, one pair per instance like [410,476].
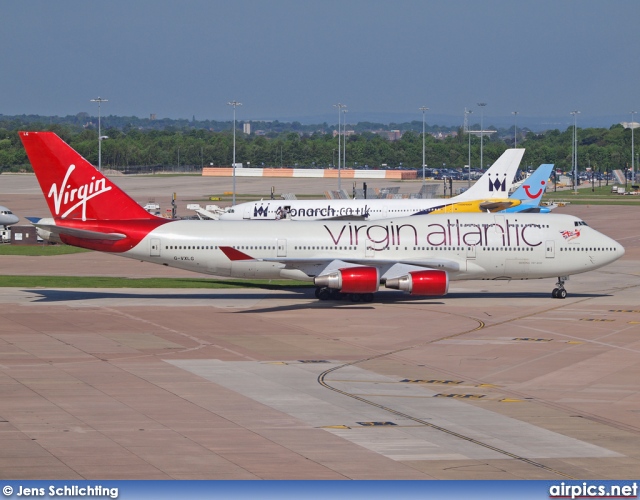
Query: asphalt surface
[496,380]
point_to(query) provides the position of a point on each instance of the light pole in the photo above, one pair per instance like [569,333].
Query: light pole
[574,159]
[515,133]
[344,144]
[466,121]
[339,106]
[424,109]
[99,100]
[482,105]
[234,104]
[633,165]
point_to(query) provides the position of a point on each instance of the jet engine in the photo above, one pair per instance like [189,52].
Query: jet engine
[351,280]
[429,282]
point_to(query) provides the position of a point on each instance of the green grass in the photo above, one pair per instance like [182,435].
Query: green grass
[599,196]
[110,282]
[39,250]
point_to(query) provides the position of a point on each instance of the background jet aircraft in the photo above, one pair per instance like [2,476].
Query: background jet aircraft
[418,255]
[523,199]
[7,217]
[494,184]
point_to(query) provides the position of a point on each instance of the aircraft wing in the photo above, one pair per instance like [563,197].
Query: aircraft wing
[497,206]
[80,233]
[316,266]
[348,217]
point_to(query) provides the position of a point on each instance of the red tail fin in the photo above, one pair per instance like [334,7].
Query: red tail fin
[73,188]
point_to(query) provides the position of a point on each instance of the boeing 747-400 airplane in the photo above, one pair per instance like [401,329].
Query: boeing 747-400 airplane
[419,255]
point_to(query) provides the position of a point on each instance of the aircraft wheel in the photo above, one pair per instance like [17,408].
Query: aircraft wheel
[367,297]
[355,297]
[562,293]
[554,293]
[317,293]
[324,294]
[336,295]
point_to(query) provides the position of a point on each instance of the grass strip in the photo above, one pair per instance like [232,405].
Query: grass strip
[39,250]
[111,282]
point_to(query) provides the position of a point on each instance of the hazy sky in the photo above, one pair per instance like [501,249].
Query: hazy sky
[294,59]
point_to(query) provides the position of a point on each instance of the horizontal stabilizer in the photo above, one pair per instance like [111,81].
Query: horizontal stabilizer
[80,233]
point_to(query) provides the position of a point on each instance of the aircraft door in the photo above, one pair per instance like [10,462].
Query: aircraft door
[369,252]
[550,249]
[471,252]
[248,212]
[282,248]
[154,247]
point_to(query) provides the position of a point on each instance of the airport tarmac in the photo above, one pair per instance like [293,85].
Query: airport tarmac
[496,380]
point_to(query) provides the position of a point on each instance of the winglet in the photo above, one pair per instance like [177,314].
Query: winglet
[233,254]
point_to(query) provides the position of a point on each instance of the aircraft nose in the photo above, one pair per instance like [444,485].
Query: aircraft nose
[618,249]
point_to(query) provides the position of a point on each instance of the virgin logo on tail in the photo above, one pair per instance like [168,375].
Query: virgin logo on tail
[65,195]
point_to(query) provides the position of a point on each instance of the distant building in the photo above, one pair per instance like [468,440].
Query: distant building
[246,128]
[346,133]
[443,135]
[394,135]
[152,116]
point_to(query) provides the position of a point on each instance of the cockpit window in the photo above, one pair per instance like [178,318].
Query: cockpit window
[580,223]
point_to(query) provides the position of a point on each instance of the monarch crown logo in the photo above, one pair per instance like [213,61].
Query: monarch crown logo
[261,211]
[497,185]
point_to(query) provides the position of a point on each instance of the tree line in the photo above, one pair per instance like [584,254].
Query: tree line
[189,149]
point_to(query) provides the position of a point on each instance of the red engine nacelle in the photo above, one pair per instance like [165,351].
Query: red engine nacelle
[431,282]
[351,280]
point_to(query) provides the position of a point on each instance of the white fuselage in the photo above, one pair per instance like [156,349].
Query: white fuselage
[467,246]
[307,210]
[494,184]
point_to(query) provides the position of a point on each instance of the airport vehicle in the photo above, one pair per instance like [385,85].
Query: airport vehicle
[492,186]
[6,219]
[419,255]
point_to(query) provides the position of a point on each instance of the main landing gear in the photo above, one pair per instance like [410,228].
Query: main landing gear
[326,293]
[559,292]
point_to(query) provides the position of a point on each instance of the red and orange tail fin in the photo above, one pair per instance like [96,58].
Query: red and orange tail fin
[73,188]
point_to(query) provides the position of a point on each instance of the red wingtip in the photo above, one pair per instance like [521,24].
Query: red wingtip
[233,254]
